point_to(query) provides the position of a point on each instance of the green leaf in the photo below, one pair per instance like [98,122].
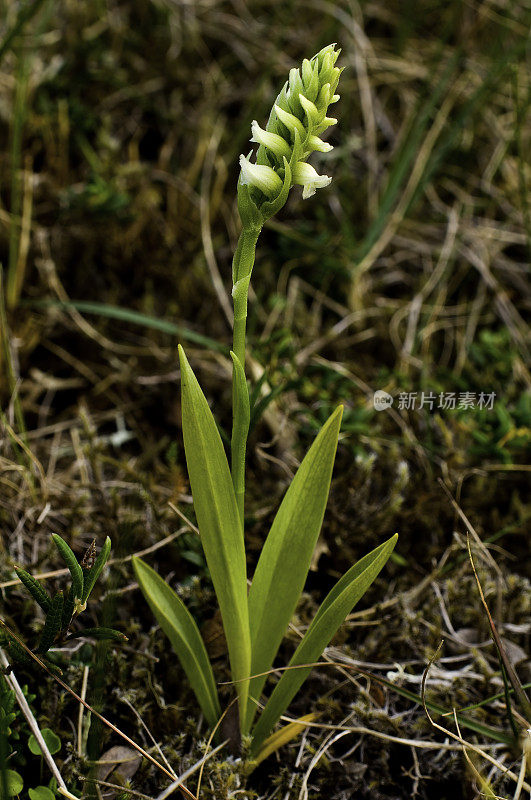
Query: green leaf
[52,741]
[92,575]
[13,782]
[99,633]
[16,652]
[335,607]
[52,625]
[35,589]
[183,633]
[68,610]
[72,563]
[286,556]
[41,793]
[219,523]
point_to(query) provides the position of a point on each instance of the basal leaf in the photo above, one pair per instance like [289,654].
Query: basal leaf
[219,523]
[336,606]
[183,633]
[286,556]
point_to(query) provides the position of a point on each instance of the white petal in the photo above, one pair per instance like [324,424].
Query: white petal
[261,176]
[309,179]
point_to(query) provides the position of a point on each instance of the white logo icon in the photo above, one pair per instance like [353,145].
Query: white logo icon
[382,400]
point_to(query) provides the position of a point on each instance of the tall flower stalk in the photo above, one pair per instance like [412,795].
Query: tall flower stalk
[256,621]
[292,134]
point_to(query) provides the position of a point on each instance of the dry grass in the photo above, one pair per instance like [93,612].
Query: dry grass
[122,127]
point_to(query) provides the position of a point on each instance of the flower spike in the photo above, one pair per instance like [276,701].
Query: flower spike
[297,120]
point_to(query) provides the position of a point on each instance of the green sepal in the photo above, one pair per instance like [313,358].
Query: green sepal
[72,563]
[52,625]
[310,76]
[99,633]
[272,207]
[91,576]
[296,87]
[33,586]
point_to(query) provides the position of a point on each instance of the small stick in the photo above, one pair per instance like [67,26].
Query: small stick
[81,709]
[523,766]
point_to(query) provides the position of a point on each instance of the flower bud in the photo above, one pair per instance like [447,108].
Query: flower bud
[312,114]
[272,141]
[290,121]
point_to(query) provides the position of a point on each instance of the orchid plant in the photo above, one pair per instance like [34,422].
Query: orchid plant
[255,622]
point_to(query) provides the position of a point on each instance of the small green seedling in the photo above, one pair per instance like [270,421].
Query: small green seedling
[53,742]
[64,607]
[255,623]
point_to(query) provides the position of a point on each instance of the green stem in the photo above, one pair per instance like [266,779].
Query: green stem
[242,267]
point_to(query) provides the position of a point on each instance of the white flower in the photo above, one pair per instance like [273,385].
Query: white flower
[264,178]
[309,179]
[272,141]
